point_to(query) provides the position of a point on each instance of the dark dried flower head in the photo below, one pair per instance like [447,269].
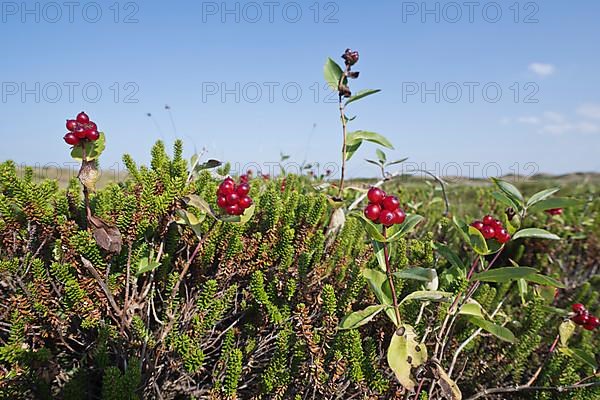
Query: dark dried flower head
[351,57]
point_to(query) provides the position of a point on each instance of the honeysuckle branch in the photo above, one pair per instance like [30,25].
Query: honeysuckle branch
[344,129]
[523,388]
[469,339]
[390,276]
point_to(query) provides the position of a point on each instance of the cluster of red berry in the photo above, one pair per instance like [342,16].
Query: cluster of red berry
[383,209]
[554,211]
[234,198]
[81,128]
[491,228]
[350,57]
[583,317]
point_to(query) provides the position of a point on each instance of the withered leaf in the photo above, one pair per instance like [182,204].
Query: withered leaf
[88,174]
[450,389]
[107,236]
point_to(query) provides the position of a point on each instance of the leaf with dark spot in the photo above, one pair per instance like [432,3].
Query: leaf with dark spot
[107,236]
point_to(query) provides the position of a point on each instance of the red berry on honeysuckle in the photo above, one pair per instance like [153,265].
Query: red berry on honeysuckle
[83,118]
[488,232]
[233,198]
[243,189]
[593,322]
[222,201]
[92,135]
[488,220]
[581,319]
[226,188]
[477,225]
[399,216]
[233,209]
[390,203]
[375,195]
[502,236]
[386,217]
[72,124]
[372,212]
[578,308]
[71,139]
[555,211]
[245,202]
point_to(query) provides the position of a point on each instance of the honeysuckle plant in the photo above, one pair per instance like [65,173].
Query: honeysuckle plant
[338,80]
[408,356]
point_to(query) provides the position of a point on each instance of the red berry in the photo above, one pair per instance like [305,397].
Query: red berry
[502,236]
[232,198]
[92,135]
[390,203]
[72,124]
[245,202]
[233,209]
[372,212]
[578,308]
[497,225]
[243,189]
[581,319]
[222,201]
[79,132]
[555,211]
[589,327]
[399,216]
[488,232]
[594,322]
[477,225]
[227,187]
[71,139]
[244,178]
[488,220]
[83,118]
[375,195]
[386,217]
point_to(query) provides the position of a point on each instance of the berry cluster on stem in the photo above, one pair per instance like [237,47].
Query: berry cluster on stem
[584,318]
[81,129]
[383,209]
[491,228]
[232,198]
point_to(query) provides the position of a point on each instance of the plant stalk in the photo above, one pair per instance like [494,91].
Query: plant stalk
[344,129]
[390,276]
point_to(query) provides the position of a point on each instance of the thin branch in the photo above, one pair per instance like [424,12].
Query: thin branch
[526,388]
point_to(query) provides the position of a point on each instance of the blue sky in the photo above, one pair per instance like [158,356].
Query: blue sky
[244,80]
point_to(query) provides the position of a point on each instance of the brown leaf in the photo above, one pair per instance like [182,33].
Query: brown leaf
[88,175]
[107,236]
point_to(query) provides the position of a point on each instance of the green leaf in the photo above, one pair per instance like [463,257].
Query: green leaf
[240,219]
[372,229]
[462,228]
[210,164]
[378,163]
[496,330]
[471,309]
[146,265]
[504,199]
[536,233]
[397,161]
[510,190]
[381,155]
[360,318]
[379,254]
[332,72]
[369,137]
[199,203]
[557,202]
[478,241]
[381,288]
[404,228]
[93,150]
[361,94]
[417,274]
[541,195]
[449,255]
[565,330]
[427,295]
[192,221]
[504,274]
[523,288]
[545,281]
[581,355]
[404,354]
[352,148]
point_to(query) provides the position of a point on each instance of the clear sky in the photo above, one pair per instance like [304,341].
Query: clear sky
[468,87]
